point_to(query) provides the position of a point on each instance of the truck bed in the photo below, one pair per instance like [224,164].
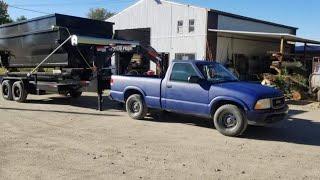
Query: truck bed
[150,87]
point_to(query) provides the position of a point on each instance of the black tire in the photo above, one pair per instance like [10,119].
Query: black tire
[75,94]
[19,92]
[229,120]
[6,90]
[136,107]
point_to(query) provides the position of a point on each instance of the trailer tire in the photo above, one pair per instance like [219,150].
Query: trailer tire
[19,92]
[229,120]
[6,90]
[75,94]
[136,107]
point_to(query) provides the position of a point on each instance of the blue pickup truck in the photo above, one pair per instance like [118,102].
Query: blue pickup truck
[205,89]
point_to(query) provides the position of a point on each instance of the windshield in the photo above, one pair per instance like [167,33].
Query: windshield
[215,72]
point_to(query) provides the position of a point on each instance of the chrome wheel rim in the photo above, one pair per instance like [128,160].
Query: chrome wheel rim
[229,120]
[135,107]
[16,92]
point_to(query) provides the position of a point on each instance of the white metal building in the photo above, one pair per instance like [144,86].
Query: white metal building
[190,32]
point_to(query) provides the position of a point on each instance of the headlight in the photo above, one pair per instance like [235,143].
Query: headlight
[263,104]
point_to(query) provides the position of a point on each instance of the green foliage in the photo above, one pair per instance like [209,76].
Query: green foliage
[289,83]
[21,18]
[2,71]
[4,16]
[282,83]
[99,14]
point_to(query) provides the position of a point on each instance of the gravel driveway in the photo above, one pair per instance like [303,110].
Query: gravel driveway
[51,137]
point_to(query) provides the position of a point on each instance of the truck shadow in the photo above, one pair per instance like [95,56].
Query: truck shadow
[84,101]
[168,117]
[291,130]
[56,111]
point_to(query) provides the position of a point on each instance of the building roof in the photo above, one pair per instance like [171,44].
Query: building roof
[274,36]
[221,13]
[312,49]
[252,19]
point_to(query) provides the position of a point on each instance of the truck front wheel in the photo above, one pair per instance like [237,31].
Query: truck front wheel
[136,107]
[229,120]
[6,87]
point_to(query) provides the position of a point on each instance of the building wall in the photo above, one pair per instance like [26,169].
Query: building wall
[228,46]
[162,18]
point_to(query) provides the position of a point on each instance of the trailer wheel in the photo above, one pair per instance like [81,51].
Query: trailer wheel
[136,107]
[229,120]
[19,92]
[6,87]
[75,94]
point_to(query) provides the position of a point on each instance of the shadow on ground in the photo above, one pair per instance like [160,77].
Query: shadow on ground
[300,103]
[291,130]
[89,102]
[56,111]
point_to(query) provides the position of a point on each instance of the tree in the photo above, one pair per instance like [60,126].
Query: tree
[4,16]
[99,14]
[21,18]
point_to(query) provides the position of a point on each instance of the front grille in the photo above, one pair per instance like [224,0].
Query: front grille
[278,103]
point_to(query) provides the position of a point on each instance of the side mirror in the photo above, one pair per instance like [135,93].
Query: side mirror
[194,79]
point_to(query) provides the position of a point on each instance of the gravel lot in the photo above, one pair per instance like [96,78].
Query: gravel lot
[52,137]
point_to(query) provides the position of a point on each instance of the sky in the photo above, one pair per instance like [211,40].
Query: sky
[303,14]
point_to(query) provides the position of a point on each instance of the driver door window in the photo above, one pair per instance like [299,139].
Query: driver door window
[181,72]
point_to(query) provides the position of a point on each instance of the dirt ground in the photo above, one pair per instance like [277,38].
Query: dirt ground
[52,137]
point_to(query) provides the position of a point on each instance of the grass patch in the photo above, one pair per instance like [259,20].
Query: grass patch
[2,71]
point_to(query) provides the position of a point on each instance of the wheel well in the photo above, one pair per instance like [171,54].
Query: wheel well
[130,92]
[218,104]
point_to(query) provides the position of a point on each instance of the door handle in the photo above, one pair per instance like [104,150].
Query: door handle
[169,86]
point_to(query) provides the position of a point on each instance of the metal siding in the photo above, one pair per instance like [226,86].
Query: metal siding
[162,19]
[231,23]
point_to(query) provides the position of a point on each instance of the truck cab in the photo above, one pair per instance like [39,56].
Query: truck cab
[205,89]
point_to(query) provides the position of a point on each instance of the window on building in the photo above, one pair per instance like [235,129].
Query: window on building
[191,25]
[185,56]
[180,27]
[182,71]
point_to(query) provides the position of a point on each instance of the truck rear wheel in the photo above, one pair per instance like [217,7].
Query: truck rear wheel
[75,94]
[19,92]
[136,107]
[6,87]
[229,120]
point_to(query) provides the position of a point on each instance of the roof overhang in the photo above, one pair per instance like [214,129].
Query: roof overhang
[264,35]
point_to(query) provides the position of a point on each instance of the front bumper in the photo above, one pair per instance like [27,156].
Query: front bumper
[265,117]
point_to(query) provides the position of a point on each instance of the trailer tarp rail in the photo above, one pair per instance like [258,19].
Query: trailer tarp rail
[76,40]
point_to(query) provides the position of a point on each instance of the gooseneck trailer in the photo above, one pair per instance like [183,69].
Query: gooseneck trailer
[58,53]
